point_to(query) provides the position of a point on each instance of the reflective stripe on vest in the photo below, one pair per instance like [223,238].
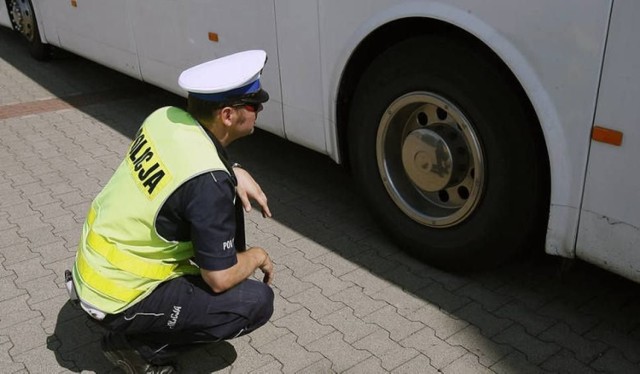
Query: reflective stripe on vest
[125,260]
[102,284]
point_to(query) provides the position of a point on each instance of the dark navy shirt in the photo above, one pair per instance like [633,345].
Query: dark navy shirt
[203,211]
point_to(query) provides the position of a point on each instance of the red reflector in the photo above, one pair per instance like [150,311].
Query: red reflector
[213,36]
[604,135]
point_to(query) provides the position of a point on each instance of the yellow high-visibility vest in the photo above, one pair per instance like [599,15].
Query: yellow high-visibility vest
[121,258]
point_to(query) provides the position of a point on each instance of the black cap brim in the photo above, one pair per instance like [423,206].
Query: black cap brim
[261,96]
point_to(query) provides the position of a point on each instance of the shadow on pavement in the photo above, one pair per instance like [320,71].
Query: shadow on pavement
[76,345]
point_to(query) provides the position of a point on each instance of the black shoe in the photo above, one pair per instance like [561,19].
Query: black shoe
[120,353]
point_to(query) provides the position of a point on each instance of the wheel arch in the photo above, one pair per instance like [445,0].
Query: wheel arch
[523,77]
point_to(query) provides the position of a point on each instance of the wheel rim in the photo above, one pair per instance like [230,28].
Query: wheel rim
[23,18]
[430,159]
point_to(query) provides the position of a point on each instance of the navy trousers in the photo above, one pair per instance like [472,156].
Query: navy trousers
[185,311]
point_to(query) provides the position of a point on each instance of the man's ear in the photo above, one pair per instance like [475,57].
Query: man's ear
[226,115]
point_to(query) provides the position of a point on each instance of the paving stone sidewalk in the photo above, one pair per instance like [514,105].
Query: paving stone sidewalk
[347,299]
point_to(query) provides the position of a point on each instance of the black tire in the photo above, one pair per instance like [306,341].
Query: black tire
[23,19]
[447,155]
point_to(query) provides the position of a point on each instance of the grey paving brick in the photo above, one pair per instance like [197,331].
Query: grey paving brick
[342,355]
[8,289]
[418,364]
[29,269]
[533,322]
[310,248]
[398,326]
[623,342]
[373,262]
[336,263]
[30,223]
[54,251]
[290,354]
[56,310]
[5,224]
[466,364]
[9,238]
[319,367]
[40,359]
[282,306]
[41,289]
[436,294]
[318,304]
[404,302]
[565,362]
[25,336]
[351,327]
[31,189]
[369,366]
[303,326]
[449,281]
[9,365]
[71,198]
[516,362]
[267,334]
[277,251]
[488,323]
[59,267]
[387,351]
[564,310]
[288,285]
[300,266]
[443,323]
[613,361]
[369,283]
[16,253]
[439,352]
[39,236]
[488,299]
[80,210]
[12,198]
[536,350]
[274,367]
[357,300]
[285,234]
[585,350]
[487,351]
[51,213]
[327,282]
[15,311]
[23,178]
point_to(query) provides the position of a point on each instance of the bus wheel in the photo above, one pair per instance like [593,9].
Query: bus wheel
[445,153]
[23,19]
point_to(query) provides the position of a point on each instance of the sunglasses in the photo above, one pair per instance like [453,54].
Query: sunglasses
[252,107]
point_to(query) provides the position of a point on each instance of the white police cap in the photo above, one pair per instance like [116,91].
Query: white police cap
[228,78]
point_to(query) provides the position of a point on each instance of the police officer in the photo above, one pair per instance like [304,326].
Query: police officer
[162,262]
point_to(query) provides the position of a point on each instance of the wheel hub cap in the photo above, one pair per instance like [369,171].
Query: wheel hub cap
[23,19]
[430,159]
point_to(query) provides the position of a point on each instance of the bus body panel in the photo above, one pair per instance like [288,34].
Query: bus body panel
[4,15]
[609,233]
[183,41]
[301,74]
[98,30]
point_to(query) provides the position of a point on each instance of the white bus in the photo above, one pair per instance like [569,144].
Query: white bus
[475,129]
